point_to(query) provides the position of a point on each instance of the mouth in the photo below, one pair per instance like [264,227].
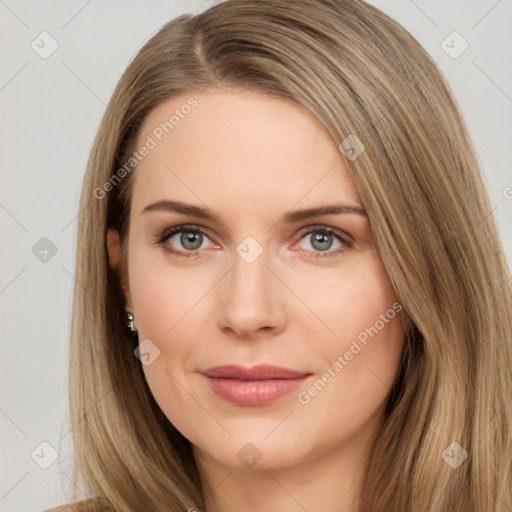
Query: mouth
[255,386]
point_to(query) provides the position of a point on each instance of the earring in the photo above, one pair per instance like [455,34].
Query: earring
[129,322]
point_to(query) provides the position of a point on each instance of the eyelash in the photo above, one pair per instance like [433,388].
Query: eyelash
[162,236]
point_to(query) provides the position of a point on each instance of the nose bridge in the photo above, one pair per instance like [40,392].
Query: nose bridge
[250,301]
[250,272]
[249,279]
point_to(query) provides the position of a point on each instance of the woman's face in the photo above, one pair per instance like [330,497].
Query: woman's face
[256,279]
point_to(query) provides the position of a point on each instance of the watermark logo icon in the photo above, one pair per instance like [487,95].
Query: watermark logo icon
[454,455]
[44,45]
[147,352]
[351,147]
[44,455]
[44,250]
[454,45]
[249,454]
[249,249]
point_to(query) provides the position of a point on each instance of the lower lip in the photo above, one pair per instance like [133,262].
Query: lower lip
[254,392]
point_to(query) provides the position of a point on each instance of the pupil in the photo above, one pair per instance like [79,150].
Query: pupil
[322,238]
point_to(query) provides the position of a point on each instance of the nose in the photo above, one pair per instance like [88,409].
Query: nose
[250,299]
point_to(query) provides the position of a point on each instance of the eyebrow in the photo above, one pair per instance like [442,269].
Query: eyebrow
[289,217]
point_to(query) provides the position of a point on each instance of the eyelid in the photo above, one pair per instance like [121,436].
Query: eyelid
[329,229]
[172,230]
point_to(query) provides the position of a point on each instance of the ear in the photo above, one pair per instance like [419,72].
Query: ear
[117,264]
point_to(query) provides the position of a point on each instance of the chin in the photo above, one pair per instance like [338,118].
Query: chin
[252,450]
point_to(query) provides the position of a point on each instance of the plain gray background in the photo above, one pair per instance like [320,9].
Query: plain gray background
[51,109]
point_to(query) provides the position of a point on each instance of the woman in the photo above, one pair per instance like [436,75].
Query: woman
[293,291]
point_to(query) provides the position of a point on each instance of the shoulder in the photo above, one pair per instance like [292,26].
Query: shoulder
[89,505]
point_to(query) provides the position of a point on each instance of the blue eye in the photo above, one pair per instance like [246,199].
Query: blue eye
[191,239]
[323,239]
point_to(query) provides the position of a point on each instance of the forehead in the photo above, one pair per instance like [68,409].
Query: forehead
[226,147]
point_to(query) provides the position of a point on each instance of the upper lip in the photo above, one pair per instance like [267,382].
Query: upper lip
[258,372]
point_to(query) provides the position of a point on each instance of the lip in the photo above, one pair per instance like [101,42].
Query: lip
[259,385]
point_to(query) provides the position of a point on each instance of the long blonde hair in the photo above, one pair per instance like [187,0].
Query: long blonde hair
[358,72]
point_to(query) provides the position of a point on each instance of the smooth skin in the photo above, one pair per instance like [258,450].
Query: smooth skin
[251,158]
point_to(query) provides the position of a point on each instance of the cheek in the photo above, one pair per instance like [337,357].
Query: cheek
[362,354]
[164,298]
[356,302]
[167,305]
[169,308]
